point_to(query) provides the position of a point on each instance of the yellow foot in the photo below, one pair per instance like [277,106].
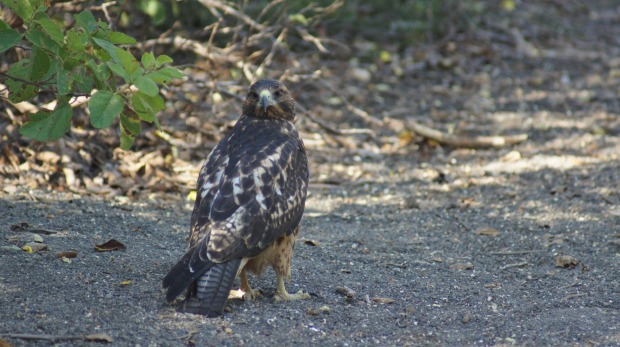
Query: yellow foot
[251,294]
[285,296]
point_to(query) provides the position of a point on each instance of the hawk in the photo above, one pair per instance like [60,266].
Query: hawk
[250,198]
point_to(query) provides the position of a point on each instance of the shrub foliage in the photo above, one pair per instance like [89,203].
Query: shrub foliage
[85,60]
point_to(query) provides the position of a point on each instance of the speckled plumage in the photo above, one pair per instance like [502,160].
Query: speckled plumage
[250,199]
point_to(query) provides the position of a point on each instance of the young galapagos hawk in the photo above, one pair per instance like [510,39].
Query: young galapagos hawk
[250,199]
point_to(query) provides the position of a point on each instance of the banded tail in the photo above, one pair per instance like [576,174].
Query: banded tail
[212,289]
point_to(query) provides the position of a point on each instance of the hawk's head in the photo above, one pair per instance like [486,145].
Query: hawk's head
[269,99]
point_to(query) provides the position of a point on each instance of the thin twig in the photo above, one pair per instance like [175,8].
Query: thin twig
[233,12]
[352,108]
[572,296]
[465,141]
[53,338]
[315,40]
[522,264]
[514,252]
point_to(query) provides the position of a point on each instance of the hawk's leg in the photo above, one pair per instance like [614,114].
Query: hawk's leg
[250,294]
[282,265]
[283,295]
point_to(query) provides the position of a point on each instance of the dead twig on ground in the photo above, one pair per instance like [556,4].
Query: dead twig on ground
[465,141]
[53,338]
[514,252]
[521,264]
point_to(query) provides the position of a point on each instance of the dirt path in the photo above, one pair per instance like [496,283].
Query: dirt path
[437,246]
[466,259]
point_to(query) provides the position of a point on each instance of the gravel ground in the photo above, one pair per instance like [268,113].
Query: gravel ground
[427,259]
[425,245]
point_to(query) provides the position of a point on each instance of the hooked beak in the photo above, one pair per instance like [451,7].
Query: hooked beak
[265,99]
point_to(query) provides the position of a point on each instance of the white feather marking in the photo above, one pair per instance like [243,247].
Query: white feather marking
[213,181]
[260,198]
[258,182]
[276,188]
[205,189]
[237,191]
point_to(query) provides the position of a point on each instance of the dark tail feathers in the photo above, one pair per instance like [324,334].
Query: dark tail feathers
[180,277]
[212,289]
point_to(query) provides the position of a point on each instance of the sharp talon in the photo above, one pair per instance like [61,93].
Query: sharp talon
[252,294]
[300,295]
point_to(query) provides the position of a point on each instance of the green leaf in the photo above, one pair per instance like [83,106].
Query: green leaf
[148,60]
[3,25]
[298,18]
[131,124]
[130,63]
[146,86]
[104,26]
[146,107]
[137,74]
[48,126]
[40,64]
[101,74]
[40,39]
[77,40]
[108,47]
[164,75]
[163,59]
[84,83]
[127,140]
[156,10]
[121,39]
[104,107]
[23,8]
[63,82]
[119,71]
[172,72]
[52,29]
[86,20]
[9,38]
[18,90]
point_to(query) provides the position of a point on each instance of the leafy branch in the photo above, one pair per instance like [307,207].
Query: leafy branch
[85,60]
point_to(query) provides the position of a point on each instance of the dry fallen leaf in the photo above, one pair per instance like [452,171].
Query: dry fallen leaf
[67,254]
[383,300]
[37,238]
[565,261]
[493,285]
[126,283]
[111,245]
[66,260]
[3,343]
[346,291]
[99,338]
[466,318]
[311,242]
[462,266]
[312,312]
[9,189]
[20,226]
[487,231]
[32,247]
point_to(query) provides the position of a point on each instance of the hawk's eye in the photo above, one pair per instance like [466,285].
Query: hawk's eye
[277,93]
[253,95]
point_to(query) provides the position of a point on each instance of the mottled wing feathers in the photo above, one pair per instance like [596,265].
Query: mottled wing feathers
[255,195]
[251,190]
